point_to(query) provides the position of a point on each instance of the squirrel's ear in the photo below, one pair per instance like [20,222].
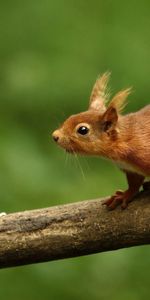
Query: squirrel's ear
[119,100]
[109,119]
[99,94]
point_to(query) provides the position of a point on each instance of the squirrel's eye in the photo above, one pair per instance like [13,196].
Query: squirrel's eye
[83,130]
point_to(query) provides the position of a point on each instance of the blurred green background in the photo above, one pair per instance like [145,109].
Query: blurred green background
[51,52]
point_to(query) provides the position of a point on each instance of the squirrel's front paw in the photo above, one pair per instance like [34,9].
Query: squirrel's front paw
[120,197]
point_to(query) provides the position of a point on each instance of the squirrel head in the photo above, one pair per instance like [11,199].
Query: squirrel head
[95,130]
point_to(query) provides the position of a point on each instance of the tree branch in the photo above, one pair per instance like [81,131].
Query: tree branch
[72,230]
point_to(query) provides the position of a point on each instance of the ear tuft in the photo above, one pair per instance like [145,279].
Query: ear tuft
[99,94]
[119,100]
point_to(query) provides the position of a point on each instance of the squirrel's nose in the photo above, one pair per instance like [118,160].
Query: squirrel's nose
[55,136]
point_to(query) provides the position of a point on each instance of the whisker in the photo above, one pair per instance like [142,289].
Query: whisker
[86,163]
[79,165]
[66,158]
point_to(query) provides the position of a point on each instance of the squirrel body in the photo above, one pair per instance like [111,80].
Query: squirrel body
[103,131]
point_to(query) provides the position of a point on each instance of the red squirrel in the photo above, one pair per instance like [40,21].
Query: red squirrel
[102,130]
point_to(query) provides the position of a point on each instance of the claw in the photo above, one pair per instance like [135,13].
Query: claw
[134,183]
[124,203]
[120,197]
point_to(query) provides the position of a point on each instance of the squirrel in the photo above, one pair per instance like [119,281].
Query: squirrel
[103,131]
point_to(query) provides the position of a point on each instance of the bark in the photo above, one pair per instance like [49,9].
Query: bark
[72,230]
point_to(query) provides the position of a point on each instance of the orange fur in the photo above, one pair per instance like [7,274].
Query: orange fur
[123,139]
